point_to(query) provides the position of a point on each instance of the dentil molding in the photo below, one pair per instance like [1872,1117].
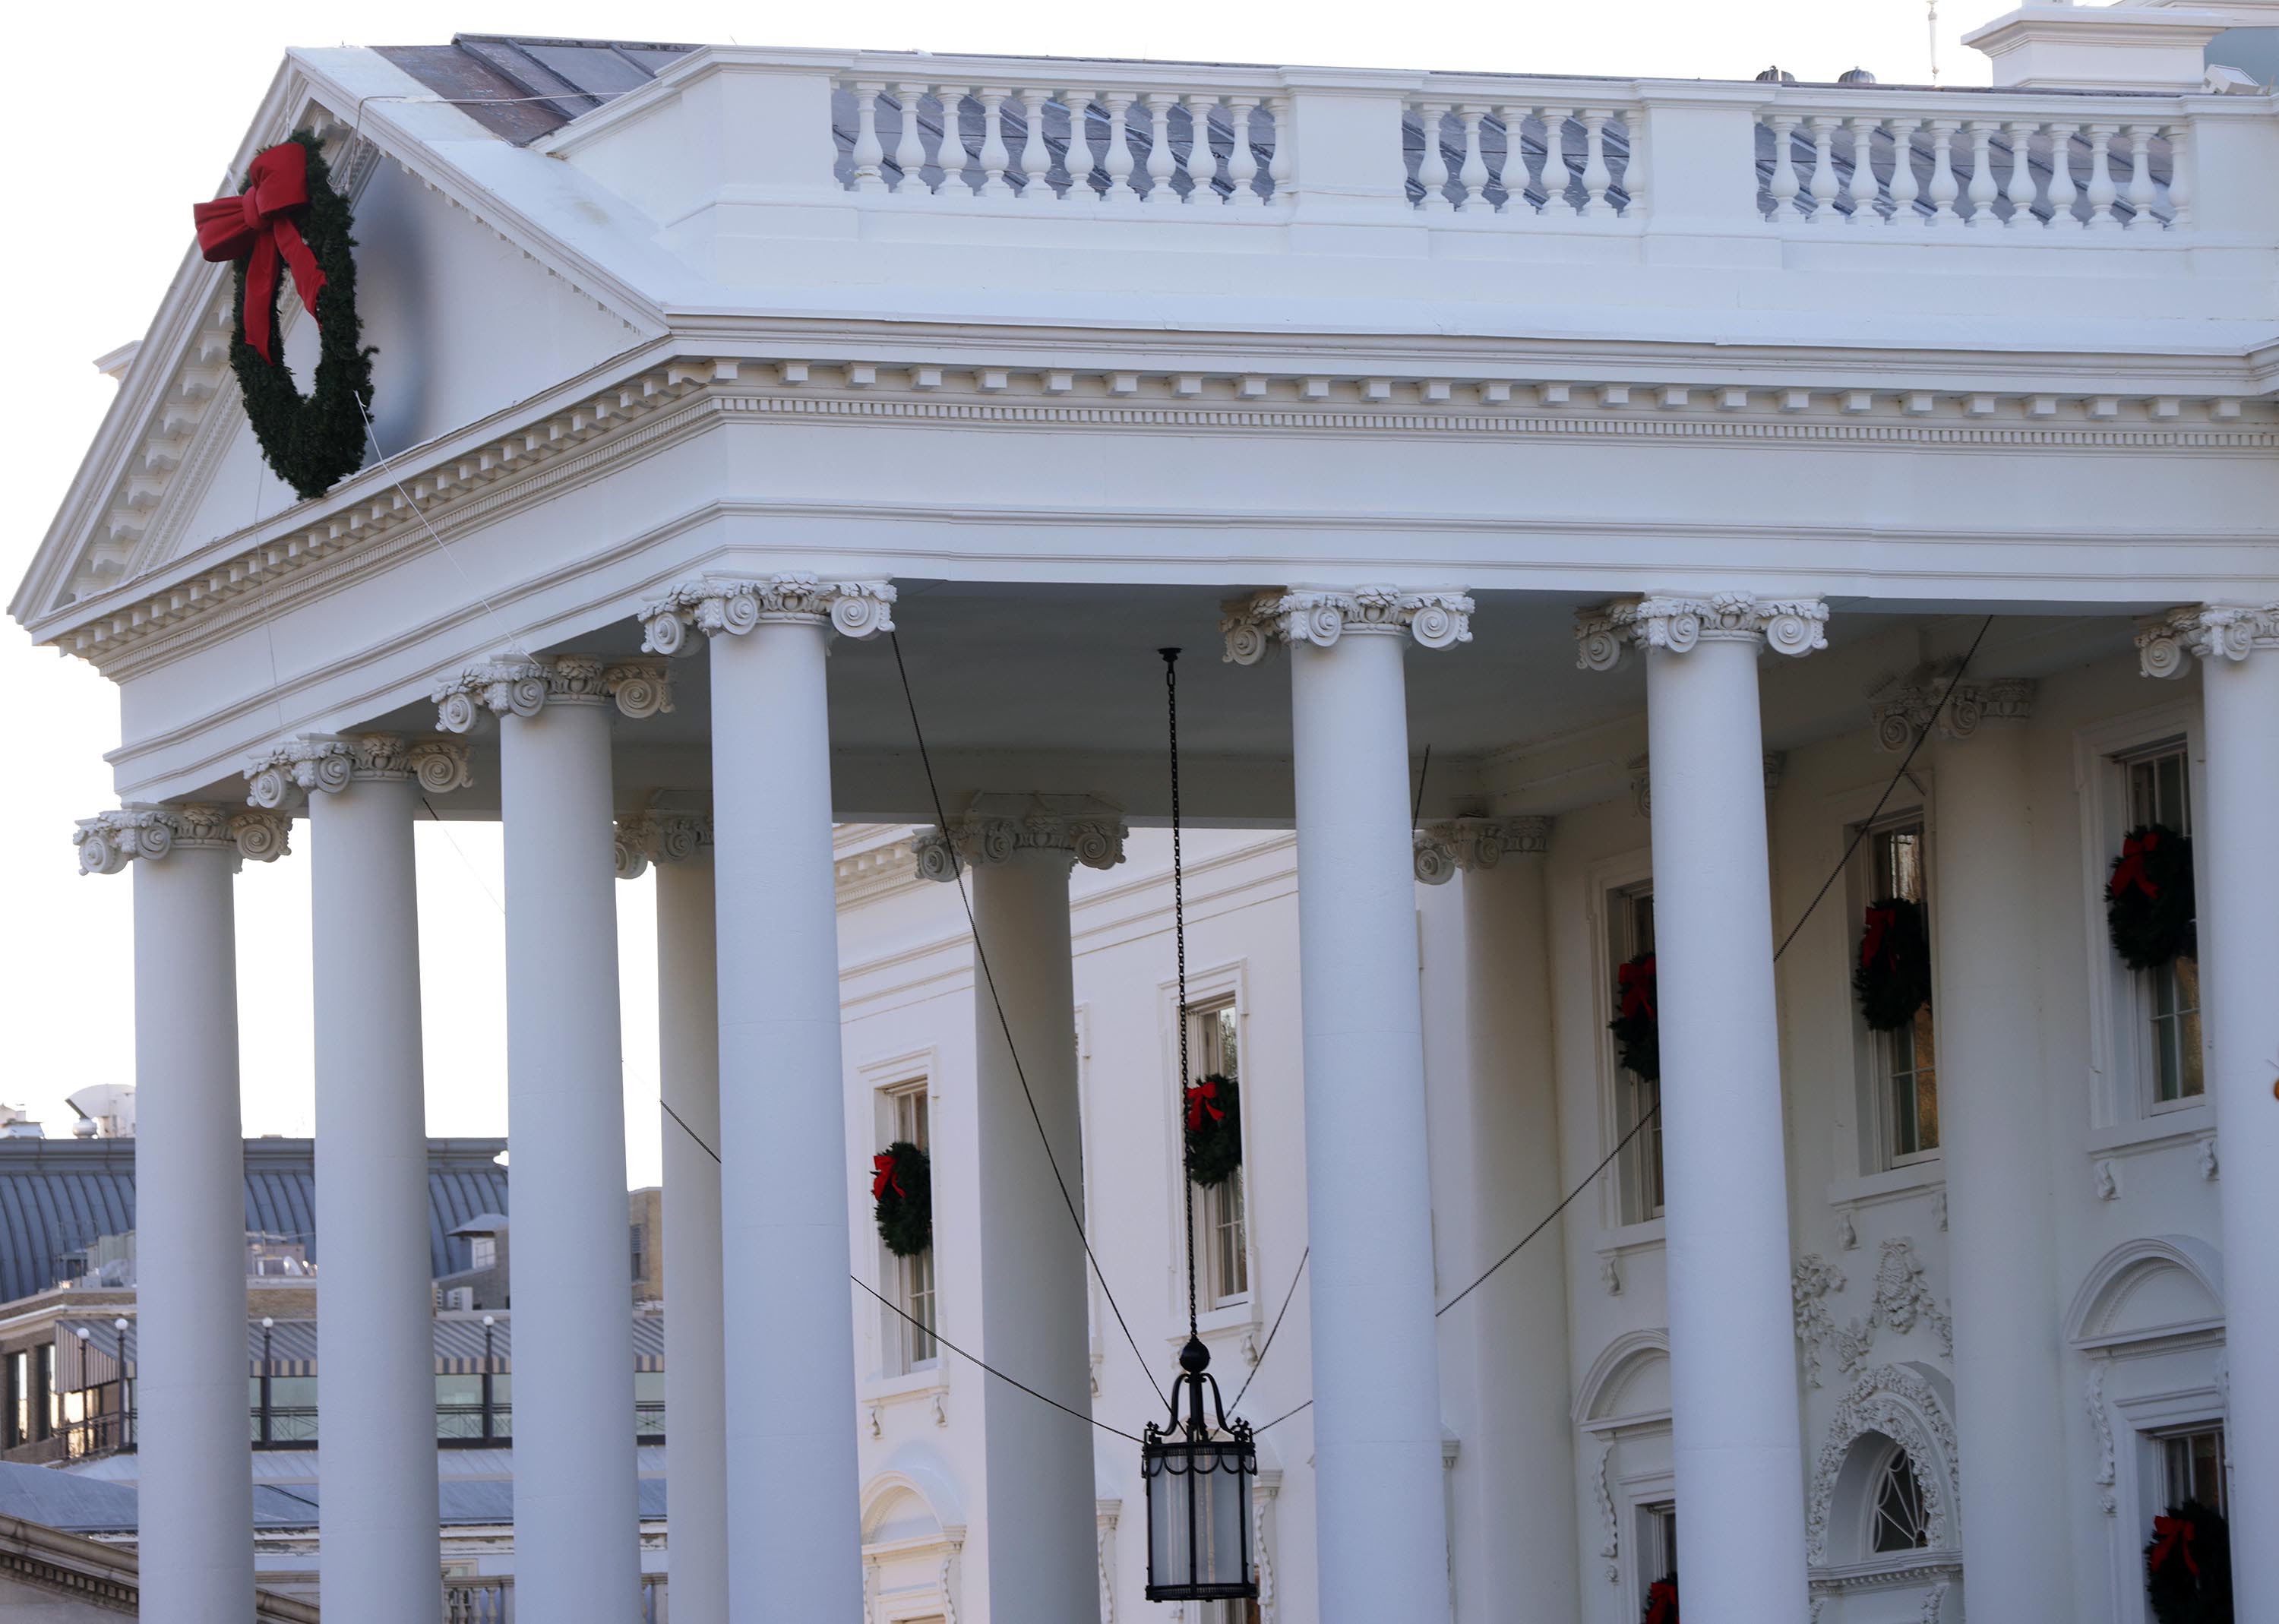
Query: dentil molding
[522,687]
[1470,843]
[328,764]
[1084,829]
[2205,632]
[646,838]
[851,608]
[1254,625]
[109,841]
[1903,717]
[1604,636]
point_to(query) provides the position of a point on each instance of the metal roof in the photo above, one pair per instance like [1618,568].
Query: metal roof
[458,1340]
[58,1196]
[521,86]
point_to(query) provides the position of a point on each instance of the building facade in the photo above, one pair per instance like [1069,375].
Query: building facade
[1552,482]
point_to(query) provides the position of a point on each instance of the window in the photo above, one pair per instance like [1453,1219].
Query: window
[1222,1218]
[2192,1467]
[1905,1058]
[2168,998]
[19,1400]
[1657,1548]
[640,1266]
[1629,932]
[913,1345]
[482,1251]
[1899,1522]
[51,1410]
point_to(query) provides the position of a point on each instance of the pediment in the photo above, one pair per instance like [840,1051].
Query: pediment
[2151,1290]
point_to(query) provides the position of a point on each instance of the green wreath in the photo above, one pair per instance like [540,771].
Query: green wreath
[1637,1026]
[1213,1129]
[2149,906]
[315,440]
[1661,1602]
[901,1187]
[2188,1566]
[1893,979]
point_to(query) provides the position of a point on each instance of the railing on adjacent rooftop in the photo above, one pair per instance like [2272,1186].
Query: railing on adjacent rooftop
[489,1599]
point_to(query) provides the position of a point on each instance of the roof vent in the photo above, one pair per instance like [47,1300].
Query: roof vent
[1776,76]
[1856,76]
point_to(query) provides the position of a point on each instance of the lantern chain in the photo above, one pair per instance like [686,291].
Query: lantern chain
[1179,935]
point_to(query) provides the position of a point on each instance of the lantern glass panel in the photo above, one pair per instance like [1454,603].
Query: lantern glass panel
[1197,1521]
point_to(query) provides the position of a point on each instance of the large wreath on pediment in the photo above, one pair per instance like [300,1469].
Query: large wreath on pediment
[291,228]
[2188,1566]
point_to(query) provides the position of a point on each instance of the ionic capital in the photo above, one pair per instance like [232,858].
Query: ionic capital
[1604,635]
[2205,632]
[1254,625]
[645,837]
[327,763]
[1470,843]
[111,840]
[1082,829]
[851,608]
[1901,719]
[524,688]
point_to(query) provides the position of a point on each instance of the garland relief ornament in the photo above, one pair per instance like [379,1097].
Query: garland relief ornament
[2149,907]
[902,1192]
[289,218]
[1894,978]
[1213,1129]
[1636,1026]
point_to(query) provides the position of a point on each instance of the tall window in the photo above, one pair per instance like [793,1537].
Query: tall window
[2169,997]
[19,1400]
[1900,1523]
[2193,1467]
[1906,1061]
[914,1276]
[1657,1547]
[1629,932]
[1221,1219]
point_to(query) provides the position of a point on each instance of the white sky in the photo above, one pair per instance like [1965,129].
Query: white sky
[120,115]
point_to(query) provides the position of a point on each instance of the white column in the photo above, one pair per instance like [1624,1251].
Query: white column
[689,1068]
[2237,880]
[1994,1143]
[1038,1462]
[1735,1435]
[376,1398]
[194,1468]
[1516,1323]
[576,1515]
[794,1534]
[1381,1532]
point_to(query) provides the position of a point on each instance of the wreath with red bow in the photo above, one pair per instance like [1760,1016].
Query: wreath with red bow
[1893,979]
[1213,1129]
[1661,1602]
[2188,1566]
[1636,1026]
[901,1194]
[289,218]
[2149,907]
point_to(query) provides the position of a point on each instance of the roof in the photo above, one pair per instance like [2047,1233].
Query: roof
[521,86]
[59,1195]
[460,1341]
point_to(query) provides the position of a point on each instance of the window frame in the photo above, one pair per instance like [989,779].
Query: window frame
[906,1109]
[1640,1173]
[1225,984]
[2144,985]
[2166,1493]
[1872,1050]
[1210,1213]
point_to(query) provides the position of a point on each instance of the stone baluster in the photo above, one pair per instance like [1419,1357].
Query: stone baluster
[1515,175]
[2062,189]
[1634,165]
[2180,175]
[1784,185]
[995,155]
[1036,160]
[1559,170]
[1596,176]
[2142,194]
[951,154]
[909,150]
[1864,188]
[1080,161]
[1825,190]
[1474,174]
[1121,188]
[1162,165]
[2022,192]
[1432,164]
[1983,191]
[1282,167]
[1202,162]
[1241,157]
[1944,187]
[868,153]
[2102,191]
[1905,187]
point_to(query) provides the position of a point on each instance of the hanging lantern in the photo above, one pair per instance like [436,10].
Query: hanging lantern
[1200,1473]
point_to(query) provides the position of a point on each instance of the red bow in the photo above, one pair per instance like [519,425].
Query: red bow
[1880,921]
[1200,1096]
[1661,1602]
[882,1168]
[1636,983]
[2175,1534]
[257,223]
[2130,870]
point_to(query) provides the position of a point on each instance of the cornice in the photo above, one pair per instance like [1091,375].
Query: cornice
[465,480]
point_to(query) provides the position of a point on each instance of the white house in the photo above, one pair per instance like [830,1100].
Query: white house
[1686,463]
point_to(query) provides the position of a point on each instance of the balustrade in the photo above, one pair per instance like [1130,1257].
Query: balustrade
[1522,159]
[488,1598]
[1853,170]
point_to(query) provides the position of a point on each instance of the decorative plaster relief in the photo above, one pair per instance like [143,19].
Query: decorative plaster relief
[734,607]
[1903,1295]
[2108,1181]
[1610,1274]
[1895,1402]
[1847,1229]
[522,687]
[1901,719]
[1253,627]
[2100,1426]
[1810,1282]
[2205,631]
[111,840]
[1470,843]
[1611,1549]
[1855,1345]
[1604,636]
[1084,830]
[2209,1168]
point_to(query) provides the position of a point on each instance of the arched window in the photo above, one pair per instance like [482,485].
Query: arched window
[1899,1521]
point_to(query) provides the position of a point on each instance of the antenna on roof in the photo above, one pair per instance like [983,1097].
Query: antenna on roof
[1932,5]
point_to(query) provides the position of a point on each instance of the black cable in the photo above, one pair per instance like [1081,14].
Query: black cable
[1588,1180]
[981,957]
[1279,1420]
[1237,1401]
[1416,809]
